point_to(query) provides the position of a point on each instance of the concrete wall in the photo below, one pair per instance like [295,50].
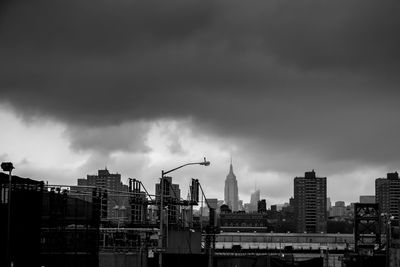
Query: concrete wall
[184,242]
[115,259]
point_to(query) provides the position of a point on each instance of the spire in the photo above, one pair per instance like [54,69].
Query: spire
[231,175]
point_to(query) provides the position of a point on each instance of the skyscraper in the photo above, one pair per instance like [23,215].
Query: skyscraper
[310,203]
[254,198]
[387,192]
[262,206]
[231,190]
[328,204]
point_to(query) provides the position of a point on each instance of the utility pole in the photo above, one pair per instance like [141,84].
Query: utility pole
[161,237]
[8,166]
[162,184]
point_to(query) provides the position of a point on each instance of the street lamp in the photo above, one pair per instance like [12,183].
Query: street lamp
[163,173]
[388,220]
[8,167]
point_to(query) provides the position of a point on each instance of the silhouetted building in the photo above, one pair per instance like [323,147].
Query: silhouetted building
[274,208]
[26,203]
[281,221]
[225,209]
[310,203]
[231,190]
[117,201]
[70,229]
[49,228]
[262,206]
[387,192]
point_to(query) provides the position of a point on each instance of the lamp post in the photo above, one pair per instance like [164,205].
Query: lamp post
[388,220]
[163,173]
[8,167]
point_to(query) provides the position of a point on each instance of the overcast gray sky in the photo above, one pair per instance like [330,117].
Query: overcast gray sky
[139,86]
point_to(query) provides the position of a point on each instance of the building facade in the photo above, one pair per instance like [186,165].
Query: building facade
[262,206]
[339,210]
[25,221]
[243,222]
[117,200]
[310,203]
[367,199]
[231,195]
[254,198]
[387,192]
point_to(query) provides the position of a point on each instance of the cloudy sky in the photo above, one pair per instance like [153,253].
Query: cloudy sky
[139,86]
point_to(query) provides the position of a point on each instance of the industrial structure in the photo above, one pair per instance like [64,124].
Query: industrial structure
[20,240]
[61,225]
[117,204]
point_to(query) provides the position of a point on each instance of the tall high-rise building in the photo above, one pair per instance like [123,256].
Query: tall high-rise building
[254,198]
[117,202]
[231,196]
[328,204]
[310,203]
[387,192]
[262,206]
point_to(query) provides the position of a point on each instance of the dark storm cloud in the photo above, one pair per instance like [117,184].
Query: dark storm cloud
[107,139]
[314,77]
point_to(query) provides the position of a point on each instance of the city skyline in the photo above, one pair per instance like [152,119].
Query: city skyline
[140,87]
[255,195]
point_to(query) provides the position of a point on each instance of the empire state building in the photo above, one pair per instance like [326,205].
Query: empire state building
[231,190]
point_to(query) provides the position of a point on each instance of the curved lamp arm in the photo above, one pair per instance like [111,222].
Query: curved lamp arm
[204,163]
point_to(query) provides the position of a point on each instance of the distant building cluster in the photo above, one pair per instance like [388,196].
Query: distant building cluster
[309,211]
[100,205]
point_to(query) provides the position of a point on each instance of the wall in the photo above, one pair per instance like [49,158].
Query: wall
[115,259]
